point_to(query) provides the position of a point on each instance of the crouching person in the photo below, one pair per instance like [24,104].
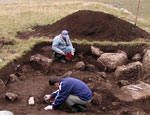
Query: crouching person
[62,47]
[74,92]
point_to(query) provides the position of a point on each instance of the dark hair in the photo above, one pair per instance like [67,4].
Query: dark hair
[53,79]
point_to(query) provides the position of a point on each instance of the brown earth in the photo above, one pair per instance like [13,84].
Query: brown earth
[90,25]
[34,82]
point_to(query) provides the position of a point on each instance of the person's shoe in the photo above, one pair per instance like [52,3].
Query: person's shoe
[73,110]
[62,60]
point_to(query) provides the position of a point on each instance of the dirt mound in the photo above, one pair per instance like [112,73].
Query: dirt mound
[91,25]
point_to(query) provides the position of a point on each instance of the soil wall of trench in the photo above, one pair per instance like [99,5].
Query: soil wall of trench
[10,68]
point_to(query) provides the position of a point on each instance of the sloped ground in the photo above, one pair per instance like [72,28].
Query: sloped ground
[90,25]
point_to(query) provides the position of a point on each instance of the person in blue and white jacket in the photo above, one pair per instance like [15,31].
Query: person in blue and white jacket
[62,45]
[73,91]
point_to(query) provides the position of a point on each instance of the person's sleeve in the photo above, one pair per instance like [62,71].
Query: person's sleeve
[54,94]
[63,93]
[55,45]
[70,44]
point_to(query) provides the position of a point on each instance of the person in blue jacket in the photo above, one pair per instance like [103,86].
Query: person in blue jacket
[62,45]
[73,91]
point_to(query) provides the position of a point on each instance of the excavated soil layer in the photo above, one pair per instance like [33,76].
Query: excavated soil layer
[34,82]
[92,26]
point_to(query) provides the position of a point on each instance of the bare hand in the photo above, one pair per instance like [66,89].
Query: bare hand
[62,53]
[72,53]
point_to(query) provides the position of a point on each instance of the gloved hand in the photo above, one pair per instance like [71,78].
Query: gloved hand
[49,107]
[47,97]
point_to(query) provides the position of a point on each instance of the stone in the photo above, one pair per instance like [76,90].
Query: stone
[80,65]
[134,92]
[110,61]
[67,74]
[13,78]
[90,67]
[123,83]
[136,57]
[2,86]
[146,61]
[96,51]
[128,71]
[11,96]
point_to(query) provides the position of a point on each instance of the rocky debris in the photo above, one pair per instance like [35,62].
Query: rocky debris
[2,86]
[26,68]
[81,55]
[123,83]
[128,71]
[67,74]
[13,78]
[136,57]
[96,51]
[146,61]
[109,61]
[42,60]
[115,105]
[132,93]
[80,65]
[1,60]
[97,99]
[11,96]
[101,74]
[90,67]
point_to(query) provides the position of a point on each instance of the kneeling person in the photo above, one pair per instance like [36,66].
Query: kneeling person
[62,46]
[72,91]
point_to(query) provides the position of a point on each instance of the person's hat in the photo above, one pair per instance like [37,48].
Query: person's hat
[64,33]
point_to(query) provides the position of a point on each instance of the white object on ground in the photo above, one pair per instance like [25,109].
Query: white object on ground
[4,112]
[31,101]
[49,107]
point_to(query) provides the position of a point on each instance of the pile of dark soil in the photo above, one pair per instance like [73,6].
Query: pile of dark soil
[90,25]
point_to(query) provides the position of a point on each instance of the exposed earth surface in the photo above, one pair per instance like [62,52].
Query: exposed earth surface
[29,75]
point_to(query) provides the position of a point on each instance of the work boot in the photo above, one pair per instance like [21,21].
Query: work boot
[77,108]
[62,60]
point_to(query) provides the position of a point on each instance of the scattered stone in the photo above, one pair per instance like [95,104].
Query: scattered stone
[101,74]
[132,93]
[13,78]
[123,83]
[67,74]
[115,105]
[96,51]
[136,57]
[128,71]
[45,49]
[81,55]
[97,99]
[2,86]
[11,96]
[109,61]
[43,61]
[90,67]
[80,65]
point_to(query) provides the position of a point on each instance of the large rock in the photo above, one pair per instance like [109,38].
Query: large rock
[128,71]
[2,86]
[146,61]
[110,61]
[96,51]
[42,60]
[132,93]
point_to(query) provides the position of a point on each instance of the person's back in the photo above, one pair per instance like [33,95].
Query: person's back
[77,88]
